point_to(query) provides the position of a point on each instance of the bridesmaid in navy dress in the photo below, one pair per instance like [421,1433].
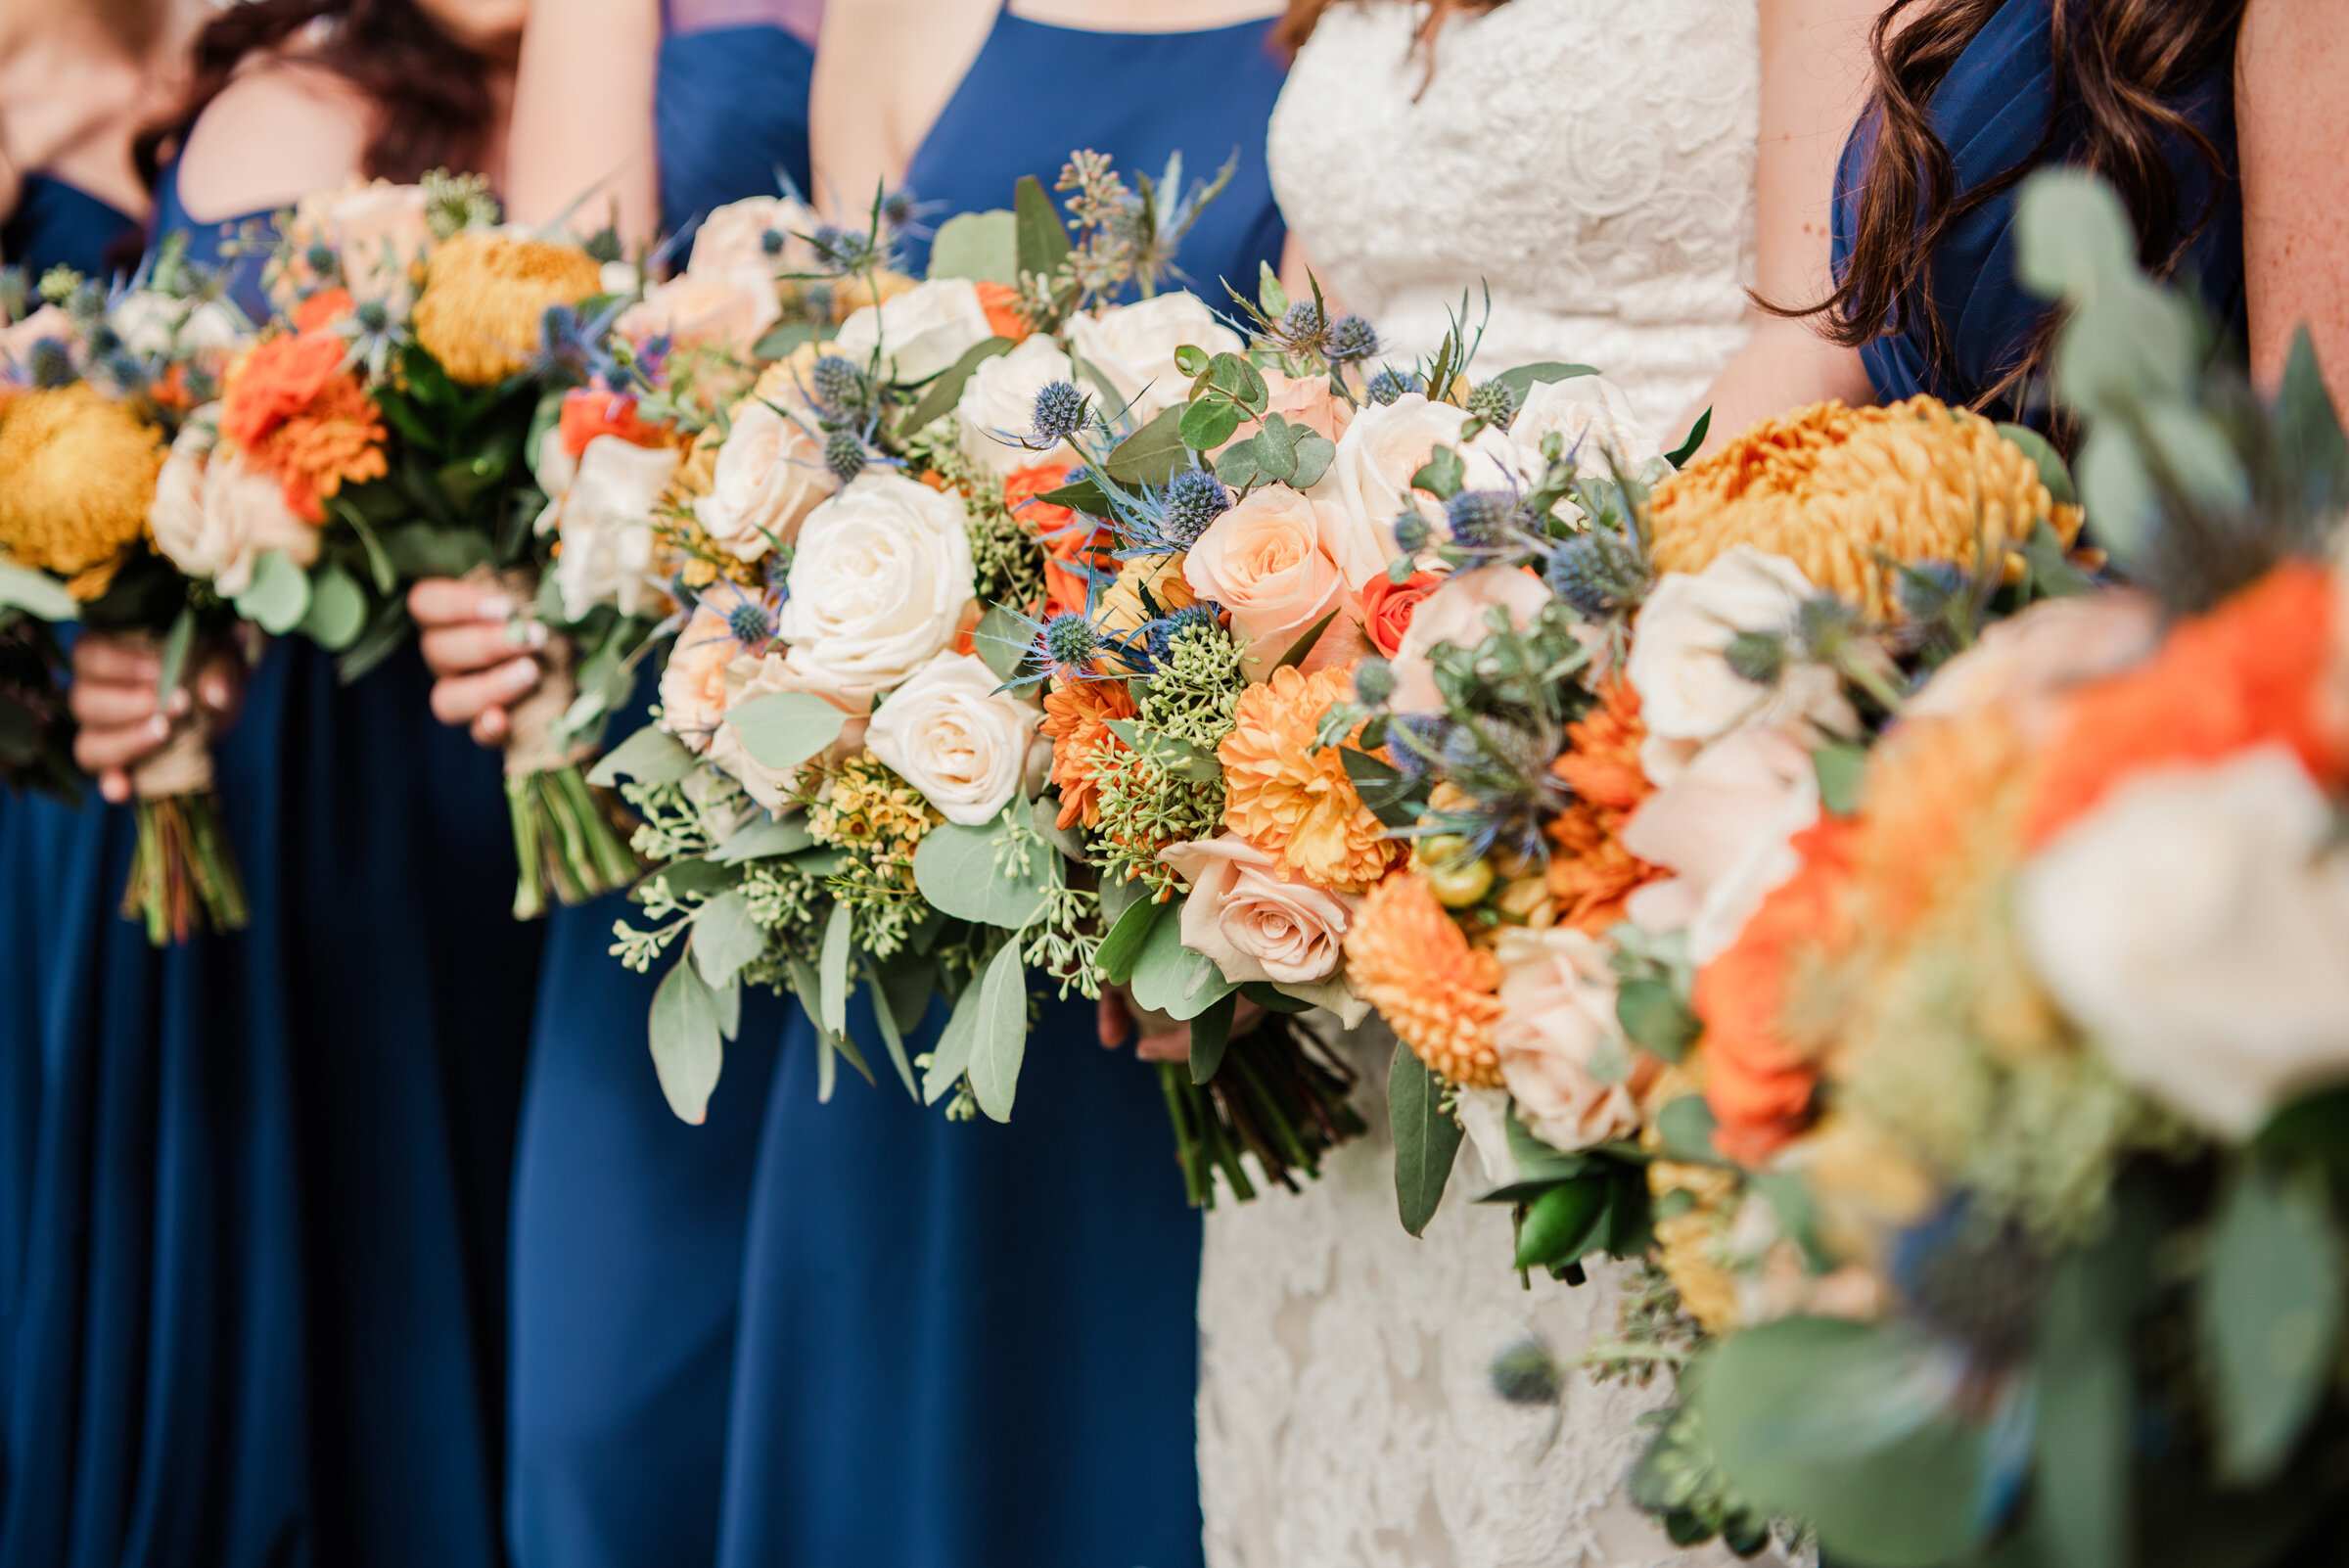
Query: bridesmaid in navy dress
[970,1343]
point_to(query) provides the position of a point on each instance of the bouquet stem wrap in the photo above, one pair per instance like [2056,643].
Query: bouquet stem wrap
[569,840]
[183,874]
[1278,1095]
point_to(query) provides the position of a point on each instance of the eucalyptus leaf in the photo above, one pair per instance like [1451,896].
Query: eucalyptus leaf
[279,595]
[1171,979]
[1001,642]
[1205,425]
[892,1038]
[786,338]
[2117,490]
[1840,767]
[651,755]
[1426,1139]
[2269,1315]
[955,1042]
[36,594]
[955,868]
[1522,380]
[832,971]
[765,838]
[983,247]
[1686,1127]
[1038,239]
[1655,1018]
[784,729]
[1211,1034]
[1000,1040]
[687,1050]
[338,611]
[1236,465]
[939,398]
[2075,237]
[2081,1452]
[1148,456]
[725,937]
[1442,475]
[1314,452]
[1276,449]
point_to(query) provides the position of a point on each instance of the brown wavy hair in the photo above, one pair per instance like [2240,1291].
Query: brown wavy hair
[1304,15]
[2122,68]
[431,94]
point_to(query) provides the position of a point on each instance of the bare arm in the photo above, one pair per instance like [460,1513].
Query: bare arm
[582,140]
[2292,122]
[1815,78]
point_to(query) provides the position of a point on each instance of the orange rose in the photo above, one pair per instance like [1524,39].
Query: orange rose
[1069,543]
[323,310]
[587,414]
[1002,302]
[1386,607]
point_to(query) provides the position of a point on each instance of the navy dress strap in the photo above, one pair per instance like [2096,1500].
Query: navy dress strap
[1992,111]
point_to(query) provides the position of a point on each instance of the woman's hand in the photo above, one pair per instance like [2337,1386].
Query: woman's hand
[113,702]
[1168,1040]
[482,656]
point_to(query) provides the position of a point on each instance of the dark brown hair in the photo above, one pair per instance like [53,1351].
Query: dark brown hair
[1304,15]
[2122,68]
[430,94]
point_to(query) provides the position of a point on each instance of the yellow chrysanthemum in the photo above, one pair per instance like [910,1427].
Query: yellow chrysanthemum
[485,297]
[1688,1244]
[1843,492]
[1406,957]
[76,478]
[1291,797]
[1121,611]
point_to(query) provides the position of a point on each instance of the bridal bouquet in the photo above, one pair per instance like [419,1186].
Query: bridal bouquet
[95,387]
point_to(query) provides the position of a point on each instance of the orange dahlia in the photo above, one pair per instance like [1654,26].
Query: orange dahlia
[1077,717]
[1290,797]
[1406,957]
[1592,874]
[302,418]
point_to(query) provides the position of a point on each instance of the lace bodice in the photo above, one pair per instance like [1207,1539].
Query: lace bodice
[1591,160]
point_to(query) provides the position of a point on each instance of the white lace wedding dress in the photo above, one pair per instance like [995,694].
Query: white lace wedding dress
[1592,162]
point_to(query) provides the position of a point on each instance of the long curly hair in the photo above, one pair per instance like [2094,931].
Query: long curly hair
[1304,15]
[2122,68]
[431,94]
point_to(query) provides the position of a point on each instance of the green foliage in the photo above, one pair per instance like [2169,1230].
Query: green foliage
[2271,1305]
[1427,1137]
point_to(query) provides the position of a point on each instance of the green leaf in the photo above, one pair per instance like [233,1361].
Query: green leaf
[2308,427]
[651,755]
[338,611]
[1442,475]
[1039,241]
[953,1058]
[1190,358]
[1563,1224]
[1525,378]
[1270,297]
[279,595]
[1843,1424]
[1169,978]
[1304,644]
[1001,642]
[2270,1312]
[1272,999]
[1211,1032]
[2052,471]
[1237,379]
[687,1050]
[1148,456]
[2075,238]
[1204,426]
[983,247]
[784,729]
[1426,1138]
[1236,465]
[954,869]
[1085,495]
[1276,449]
[2117,491]
[944,390]
[1679,456]
[179,645]
[1315,451]
[36,594]
[725,937]
[785,339]
[1841,766]
[1686,1127]
[1124,943]
[2081,1451]
[2053,575]
[765,838]
[892,1037]
[832,971]
[421,550]
[1000,1040]
[1655,1018]
[1381,786]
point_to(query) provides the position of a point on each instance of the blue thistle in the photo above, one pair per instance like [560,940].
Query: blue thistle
[1599,574]
[51,364]
[321,258]
[1493,403]
[1060,413]
[1302,324]
[771,241]
[1412,532]
[1194,499]
[844,455]
[1067,641]
[1159,635]
[1484,520]
[1373,682]
[374,318]
[819,298]
[1389,385]
[749,623]
[1349,337]
[842,249]
[837,384]
[897,207]
[1413,739]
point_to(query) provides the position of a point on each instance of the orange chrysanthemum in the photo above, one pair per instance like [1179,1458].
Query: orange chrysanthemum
[1292,797]
[1592,874]
[2248,672]
[1406,957]
[1002,302]
[1077,719]
[302,419]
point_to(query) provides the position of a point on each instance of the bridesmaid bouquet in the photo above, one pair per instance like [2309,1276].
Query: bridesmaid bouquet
[95,388]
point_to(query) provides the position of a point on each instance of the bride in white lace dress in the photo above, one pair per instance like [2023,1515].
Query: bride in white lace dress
[1595,163]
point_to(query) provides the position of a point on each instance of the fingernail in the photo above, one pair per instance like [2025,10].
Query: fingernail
[216,691]
[495,607]
[539,633]
[525,634]
[114,789]
[521,674]
[178,704]
[159,726]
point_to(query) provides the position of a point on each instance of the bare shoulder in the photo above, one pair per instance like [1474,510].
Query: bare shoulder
[282,129]
[883,69]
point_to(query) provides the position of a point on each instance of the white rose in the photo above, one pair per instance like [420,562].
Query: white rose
[1369,483]
[1134,344]
[603,512]
[1594,416]
[1255,923]
[951,734]
[1455,614]
[1725,827]
[999,401]
[726,310]
[213,518]
[2196,924]
[1562,1053]
[1688,691]
[734,237]
[918,333]
[154,326]
[745,680]
[769,472]
[880,584]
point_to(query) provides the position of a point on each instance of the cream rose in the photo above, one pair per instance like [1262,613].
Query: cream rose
[1253,924]
[2196,924]
[1679,665]
[1725,827]
[1594,416]
[213,518]
[879,586]
[769,472]
[602,510]
[951,734]
[918,333]
[734,238]
[1562,1053]
[1368,483]
[1455,613]
[998,405]
[2021,663]
[1262,561]
[1133,345]
[724,310]
[378,231]
[693,683]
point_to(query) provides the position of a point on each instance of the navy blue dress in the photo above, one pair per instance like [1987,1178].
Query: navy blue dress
[967,1345]
[627,1224]
[56,224]
[263,1291]
[1990,112]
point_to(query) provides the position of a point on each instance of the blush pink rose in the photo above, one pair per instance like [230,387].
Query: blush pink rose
[1263,562]
[693,683]
[1562,1053]
[1455,614]
[1255,925]
[728,310]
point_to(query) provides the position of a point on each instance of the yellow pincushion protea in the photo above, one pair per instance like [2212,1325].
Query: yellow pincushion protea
[78,476]
[485,297]
[1406,957]
[1846,493]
